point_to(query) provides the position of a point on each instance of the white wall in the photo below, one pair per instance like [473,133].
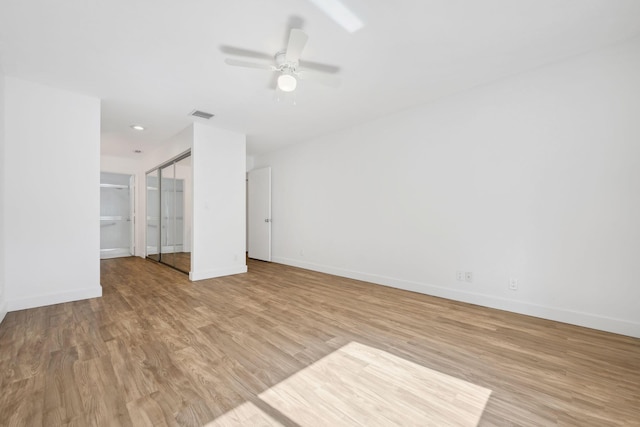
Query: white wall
[174,146]
[123,165]
[536,177]
[3,299]
[51,200]
[219,216]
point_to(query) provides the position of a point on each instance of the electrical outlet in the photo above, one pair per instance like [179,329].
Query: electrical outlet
[513,283]
[460,276]
[468,276]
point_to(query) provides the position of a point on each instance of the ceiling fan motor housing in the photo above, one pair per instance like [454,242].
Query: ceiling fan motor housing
[283,64]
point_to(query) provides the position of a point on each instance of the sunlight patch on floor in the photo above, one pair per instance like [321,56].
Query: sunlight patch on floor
[362,385]
[246,414]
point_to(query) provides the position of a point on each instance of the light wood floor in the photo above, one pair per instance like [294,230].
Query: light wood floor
[158,350]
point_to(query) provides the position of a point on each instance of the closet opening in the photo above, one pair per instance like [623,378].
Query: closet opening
[116,215]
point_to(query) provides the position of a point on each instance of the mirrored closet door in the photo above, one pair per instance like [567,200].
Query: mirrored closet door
[169,213]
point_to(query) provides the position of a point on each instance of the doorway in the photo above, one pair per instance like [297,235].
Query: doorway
[116,215]
[168,236]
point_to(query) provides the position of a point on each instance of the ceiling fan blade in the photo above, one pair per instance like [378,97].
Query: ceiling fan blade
[297,41]
[273,83]
[238,51]
[317,66]
[246,64]
[319,77]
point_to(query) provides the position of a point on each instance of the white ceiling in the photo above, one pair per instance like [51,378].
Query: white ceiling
[153,61]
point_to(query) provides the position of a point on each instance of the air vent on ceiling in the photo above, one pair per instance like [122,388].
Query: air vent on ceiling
[201,114]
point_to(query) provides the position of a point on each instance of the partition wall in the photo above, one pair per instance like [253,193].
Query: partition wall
[168,225]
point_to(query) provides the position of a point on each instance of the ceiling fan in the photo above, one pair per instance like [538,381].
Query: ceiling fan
[287,64]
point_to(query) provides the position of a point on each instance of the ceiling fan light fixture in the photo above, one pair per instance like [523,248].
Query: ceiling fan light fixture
[287,82]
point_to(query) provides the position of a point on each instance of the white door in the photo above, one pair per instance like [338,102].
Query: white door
[259,217]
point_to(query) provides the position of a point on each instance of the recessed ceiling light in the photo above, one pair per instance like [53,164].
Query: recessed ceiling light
[137,127]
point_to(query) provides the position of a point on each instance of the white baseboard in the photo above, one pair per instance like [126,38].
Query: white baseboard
[608,324]
[56,298]
[115,253]
[210,274]
[3,310]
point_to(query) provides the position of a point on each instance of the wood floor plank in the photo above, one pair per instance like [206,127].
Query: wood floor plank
[159,350]
[62,401]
